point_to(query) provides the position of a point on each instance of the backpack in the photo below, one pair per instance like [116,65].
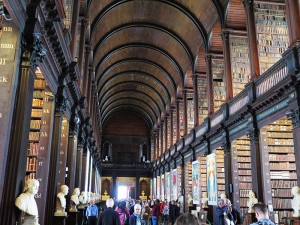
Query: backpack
[123,218]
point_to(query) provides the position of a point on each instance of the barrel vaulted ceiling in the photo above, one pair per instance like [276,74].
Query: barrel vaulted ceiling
[145,51]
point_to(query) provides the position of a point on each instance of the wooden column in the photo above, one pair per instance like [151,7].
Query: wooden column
[78,165]
[162,138]
[92,87]
[114,186]
[93,178]
[294,116]
[72,151]
[81,45]
[166,132]
[196,100]
[227,64]
[152,147]
[256,169]
[137,184]
[157,143]
[185,123]
[15,170]
[293,20]
[252,39]
[227,168]
[86,75]
[210,85]
[171,126]
[74,27]
[83,171]
[54,159]
[177,121]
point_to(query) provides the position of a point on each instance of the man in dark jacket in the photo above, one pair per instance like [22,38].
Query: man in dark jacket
[109,216]
[174,211]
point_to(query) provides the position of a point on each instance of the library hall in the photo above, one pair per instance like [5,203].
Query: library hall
[194,103]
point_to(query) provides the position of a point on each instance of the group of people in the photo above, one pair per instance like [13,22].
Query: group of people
[134,213]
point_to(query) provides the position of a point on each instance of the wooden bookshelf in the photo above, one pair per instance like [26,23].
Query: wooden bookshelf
[240,64]
[169,132]
[220,171]
[188,182]
[35,128]
[179,177]
[190,111]
[202,99]
[272,33]
[242,176]
[218,83]
[203,179]
[163,139]
[279,167]
[181,119]
[174,127]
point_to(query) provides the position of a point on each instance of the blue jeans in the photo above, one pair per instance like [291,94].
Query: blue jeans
[154,220]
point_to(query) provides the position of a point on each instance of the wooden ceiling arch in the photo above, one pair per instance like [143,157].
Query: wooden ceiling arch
[149,48]
[132,93]
[137,76]
[132,85]
[135,110]
[150,116]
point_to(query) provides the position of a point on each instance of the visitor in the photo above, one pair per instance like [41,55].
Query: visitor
[262,214]
[155,212]
[92,213]
[135,218]
[109,216]
[123,213]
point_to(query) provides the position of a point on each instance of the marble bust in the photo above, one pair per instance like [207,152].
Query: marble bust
[82,199]
[61,201]
[74,200]
[251,201]
[204,200]
[296,201]
[27,204]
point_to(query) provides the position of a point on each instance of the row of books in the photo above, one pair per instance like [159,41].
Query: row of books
[34,136]
[283,166]
[285,157]
[33,148]
[31,163]
[35,124]
[283,183]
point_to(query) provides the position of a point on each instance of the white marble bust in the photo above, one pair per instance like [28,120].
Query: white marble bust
[61,201]
[204,200]
[27,204]
[251,201]
[74,200]
[82,199]
[296,201]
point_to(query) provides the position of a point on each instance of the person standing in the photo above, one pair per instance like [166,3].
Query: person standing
[174,211]
[109,216]
[155,212]
[135,218]
[262,214]
[92,213]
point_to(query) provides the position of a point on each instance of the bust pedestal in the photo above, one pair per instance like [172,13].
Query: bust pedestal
[80,215]
[59,220]
[72,218]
